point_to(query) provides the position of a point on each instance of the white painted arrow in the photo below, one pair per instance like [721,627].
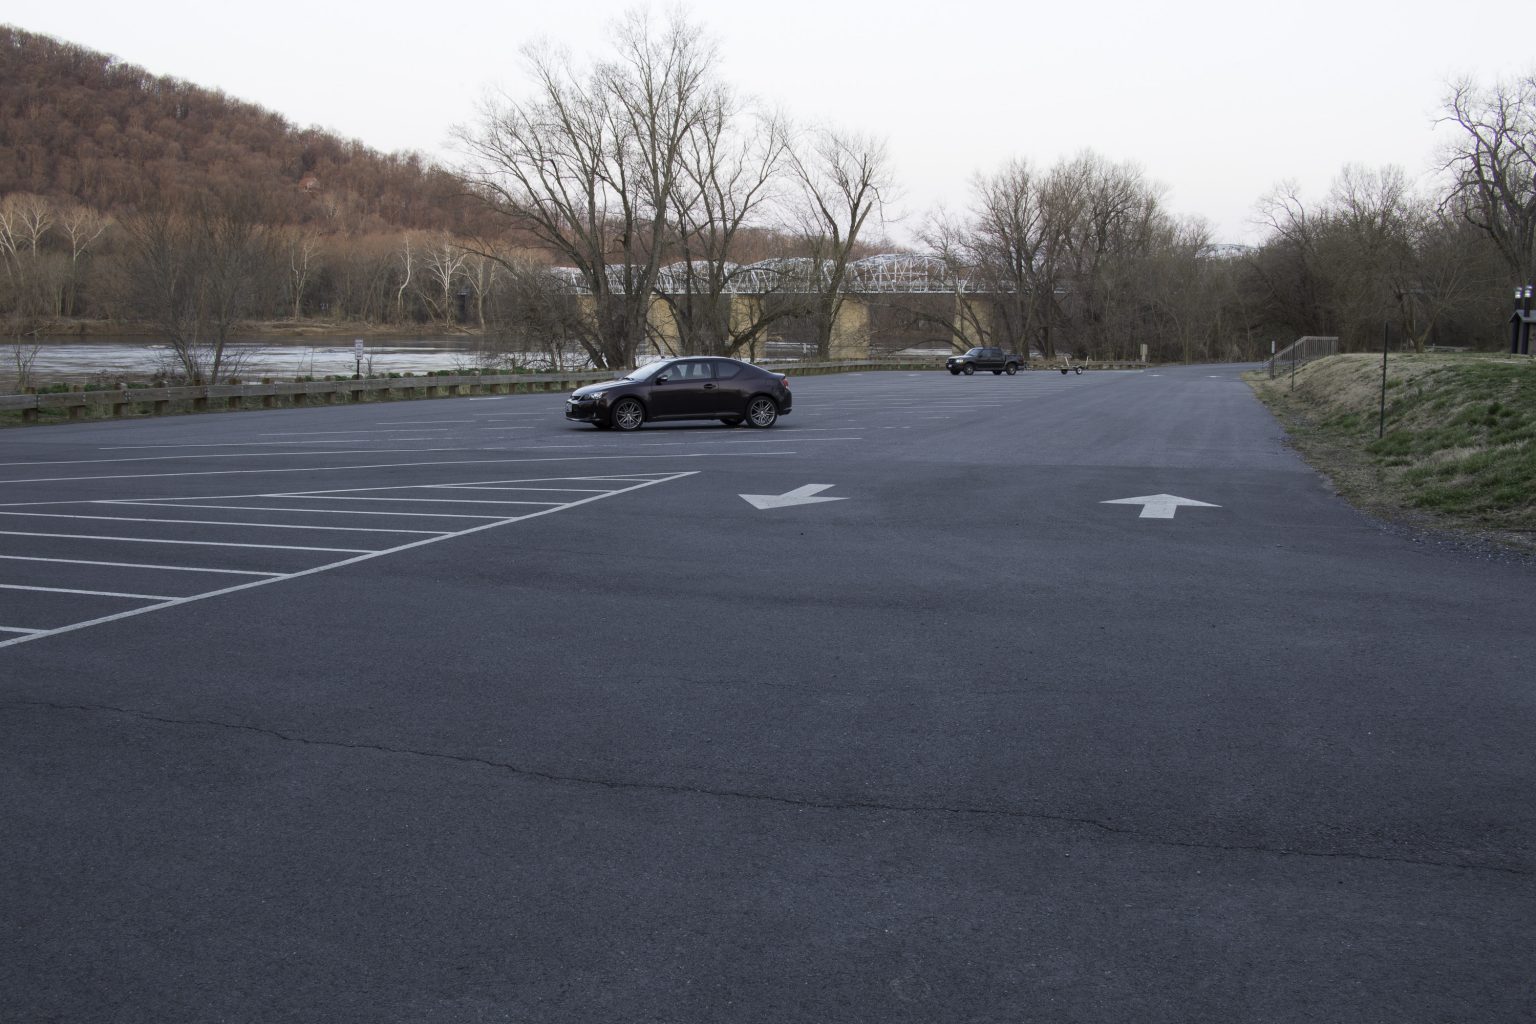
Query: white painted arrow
[1159,506]
[799,496]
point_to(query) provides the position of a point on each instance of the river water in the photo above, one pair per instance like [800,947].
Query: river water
[80,360]
[76,360]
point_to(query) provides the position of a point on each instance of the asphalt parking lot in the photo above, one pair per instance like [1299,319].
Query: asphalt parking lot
[1045,698]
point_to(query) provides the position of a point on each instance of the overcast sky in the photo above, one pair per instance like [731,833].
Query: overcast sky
[1216,101]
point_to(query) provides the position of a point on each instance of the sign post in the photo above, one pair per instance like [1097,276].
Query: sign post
[357,351]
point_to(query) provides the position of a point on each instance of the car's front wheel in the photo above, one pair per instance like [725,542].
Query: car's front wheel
[969,369]
[628,414]
[762,411]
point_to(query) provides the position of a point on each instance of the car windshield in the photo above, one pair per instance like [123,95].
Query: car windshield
[648,371]
[975,351]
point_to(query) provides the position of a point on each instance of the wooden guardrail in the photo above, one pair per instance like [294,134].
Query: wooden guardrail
[272,394]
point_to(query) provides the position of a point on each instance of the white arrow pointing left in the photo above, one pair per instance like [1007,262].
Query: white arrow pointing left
[1160,506]
[799,496]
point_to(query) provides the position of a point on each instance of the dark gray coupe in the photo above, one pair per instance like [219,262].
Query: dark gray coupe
[691,388]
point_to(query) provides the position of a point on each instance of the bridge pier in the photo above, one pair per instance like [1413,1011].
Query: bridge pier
[850,330]
[973,322]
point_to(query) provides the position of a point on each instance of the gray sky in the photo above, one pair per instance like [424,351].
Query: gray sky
[1213,102]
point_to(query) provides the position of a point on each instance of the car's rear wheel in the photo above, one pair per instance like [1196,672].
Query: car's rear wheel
[762,411]
[1011,369]
[969,369]
[628,414]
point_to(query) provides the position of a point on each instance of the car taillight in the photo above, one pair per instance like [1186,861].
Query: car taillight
[784,379]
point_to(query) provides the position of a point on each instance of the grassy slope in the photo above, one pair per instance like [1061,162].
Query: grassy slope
[1459,452]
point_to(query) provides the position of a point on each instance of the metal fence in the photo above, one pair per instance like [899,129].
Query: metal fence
[1301,352]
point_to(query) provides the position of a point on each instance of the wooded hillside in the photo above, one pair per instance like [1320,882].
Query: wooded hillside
[87,126]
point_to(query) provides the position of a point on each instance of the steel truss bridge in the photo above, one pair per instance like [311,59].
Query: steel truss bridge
[887,274]
[892,273]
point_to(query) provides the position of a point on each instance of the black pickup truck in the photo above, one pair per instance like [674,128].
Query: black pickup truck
[994,359]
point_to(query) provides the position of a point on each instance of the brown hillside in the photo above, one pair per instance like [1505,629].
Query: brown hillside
[81,124]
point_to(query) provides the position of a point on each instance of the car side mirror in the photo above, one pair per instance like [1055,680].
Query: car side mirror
[662,378]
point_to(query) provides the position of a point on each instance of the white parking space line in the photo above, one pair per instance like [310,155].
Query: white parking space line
[274,508]
[362,430]
[511,512]
[236,455]
[627,457]
[217,522]
[138,565]
[571,490]
[334,496]
[242,444]
[198,543]
[88,593]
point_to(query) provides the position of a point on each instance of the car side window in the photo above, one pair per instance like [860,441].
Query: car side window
[723,369]
[696,370]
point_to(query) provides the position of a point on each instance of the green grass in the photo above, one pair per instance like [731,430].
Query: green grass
[1459,444]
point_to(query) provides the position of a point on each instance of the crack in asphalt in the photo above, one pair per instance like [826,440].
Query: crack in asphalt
[771,798]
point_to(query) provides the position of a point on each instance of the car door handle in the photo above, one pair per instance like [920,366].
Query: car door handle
[709,387]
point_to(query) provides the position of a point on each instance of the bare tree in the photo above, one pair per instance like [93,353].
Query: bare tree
[407,269]
[481,274]
[1493,166]
[26,295]
[443,265]
[539,317]
[194,271]
[729,169]
[589,165]
[303,264]
[1289,266]
[1000,249]
[24,220]
[81,227]
[843,179]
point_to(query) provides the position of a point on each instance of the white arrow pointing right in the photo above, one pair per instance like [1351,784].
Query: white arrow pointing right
[799,496]
[1159,506]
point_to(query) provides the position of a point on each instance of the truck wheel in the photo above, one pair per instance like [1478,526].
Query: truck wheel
[1063,371]
[968,369]
[1011,369]
[1077,369]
